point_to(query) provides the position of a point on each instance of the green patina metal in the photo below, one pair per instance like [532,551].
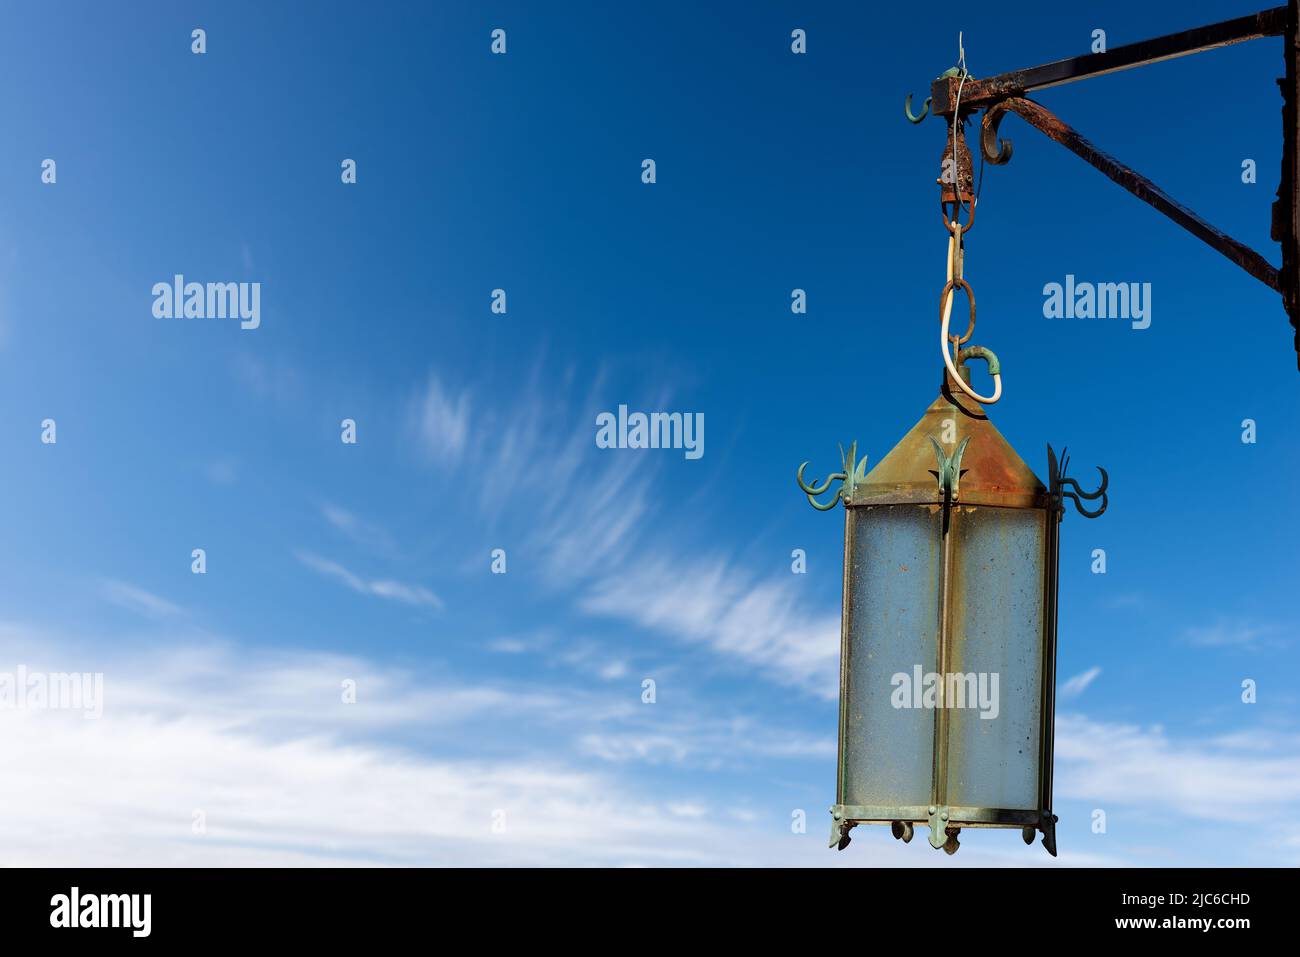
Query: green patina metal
[943,836]
[925,107]
[949,474]
[980,352]
[851,472]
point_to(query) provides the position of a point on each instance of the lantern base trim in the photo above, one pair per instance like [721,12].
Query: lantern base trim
[945,822]
[1049,832]
[840,830]
[939,827]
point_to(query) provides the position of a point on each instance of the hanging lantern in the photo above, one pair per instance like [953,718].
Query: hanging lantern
[948,646]
[948,632]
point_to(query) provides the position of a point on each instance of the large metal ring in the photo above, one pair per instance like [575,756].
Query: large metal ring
[958,206]
[948,289]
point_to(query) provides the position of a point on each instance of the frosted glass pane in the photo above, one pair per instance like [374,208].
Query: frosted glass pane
[998,630]
[893,626]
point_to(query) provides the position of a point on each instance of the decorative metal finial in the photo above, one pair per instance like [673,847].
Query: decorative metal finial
[949,474]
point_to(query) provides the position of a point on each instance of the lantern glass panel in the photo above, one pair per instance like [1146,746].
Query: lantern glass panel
[893,626]
[997,629]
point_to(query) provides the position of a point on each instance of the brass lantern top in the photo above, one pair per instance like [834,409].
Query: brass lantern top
[991,472]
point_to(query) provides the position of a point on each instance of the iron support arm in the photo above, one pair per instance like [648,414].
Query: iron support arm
[980,93]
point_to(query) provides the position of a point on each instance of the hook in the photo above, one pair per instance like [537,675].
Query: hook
[1105,481]
[815,489]
[980,352]
[1061,485]
[925,109]
[851,472]
[996,151]
[1079,505]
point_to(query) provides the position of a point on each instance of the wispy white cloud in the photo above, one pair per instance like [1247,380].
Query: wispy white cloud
[136,599]
[441,422]
[261,748]
[407,594]
[1226,633]
[589,657]
[708,743]
[364,533]
[1126,601]
[1079,683]
[596,534]
[759,622]
[591,525]
[286,692]
[285,773]
[1143,766]
[650,748]
[133,786]
[584,508]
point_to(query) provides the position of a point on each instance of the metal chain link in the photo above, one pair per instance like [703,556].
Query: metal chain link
[957,252]
[956,280]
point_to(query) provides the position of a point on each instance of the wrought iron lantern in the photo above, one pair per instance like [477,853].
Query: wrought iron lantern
[948,643]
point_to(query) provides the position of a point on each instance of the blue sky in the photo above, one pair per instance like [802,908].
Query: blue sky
[370,562]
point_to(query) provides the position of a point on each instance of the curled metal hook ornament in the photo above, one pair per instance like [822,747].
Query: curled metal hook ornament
[1079,505]
[851,472]
[1079,493]
[1101,490]
[995,151]
[1063,487]
[925,109]
[812,491]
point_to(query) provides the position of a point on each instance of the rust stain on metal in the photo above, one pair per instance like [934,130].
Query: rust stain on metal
[981,93]
[963,183]
[993,474]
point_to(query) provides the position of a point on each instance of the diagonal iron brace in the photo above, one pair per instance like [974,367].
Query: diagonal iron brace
[998,152]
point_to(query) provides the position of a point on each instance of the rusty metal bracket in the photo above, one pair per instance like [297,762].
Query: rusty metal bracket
[925,107]
[998,152]
[998,94]
[977,94]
